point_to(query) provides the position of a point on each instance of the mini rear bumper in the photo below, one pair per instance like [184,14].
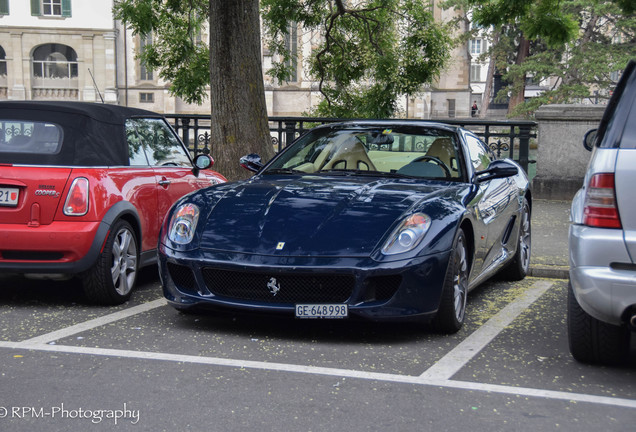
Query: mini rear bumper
[60,247]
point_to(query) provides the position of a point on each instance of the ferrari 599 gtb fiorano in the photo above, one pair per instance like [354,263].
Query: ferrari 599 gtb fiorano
[382,220]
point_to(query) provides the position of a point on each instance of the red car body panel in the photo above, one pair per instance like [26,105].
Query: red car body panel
[37,237]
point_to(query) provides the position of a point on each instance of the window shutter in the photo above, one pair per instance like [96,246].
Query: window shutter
[4,7]
[66,8]
[35,7]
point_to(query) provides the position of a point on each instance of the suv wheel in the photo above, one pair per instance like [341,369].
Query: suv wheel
[594,341]
[110,281]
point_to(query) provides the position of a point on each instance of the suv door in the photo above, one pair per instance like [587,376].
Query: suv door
[625,175]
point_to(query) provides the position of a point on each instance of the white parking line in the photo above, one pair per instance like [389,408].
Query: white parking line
[339,373]
[459,356]
[438,375]
[97,322]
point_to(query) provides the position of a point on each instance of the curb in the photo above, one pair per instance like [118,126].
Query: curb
[551,272]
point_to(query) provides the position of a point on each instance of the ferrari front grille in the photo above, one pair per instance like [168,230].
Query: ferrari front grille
[279,288]
[182,277]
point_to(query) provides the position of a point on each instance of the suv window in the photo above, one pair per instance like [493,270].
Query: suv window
[628,140]
[159,142]
[29,137]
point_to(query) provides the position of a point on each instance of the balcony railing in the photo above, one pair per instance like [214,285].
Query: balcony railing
[507,138]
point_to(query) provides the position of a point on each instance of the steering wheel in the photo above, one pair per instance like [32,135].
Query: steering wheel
[436,161]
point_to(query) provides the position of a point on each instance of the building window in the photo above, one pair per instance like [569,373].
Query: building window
[3,63]
[54,61]
[475,46]
[291,44]
[51,8]
[145,73]
[146,97]
[475,73]
[451,107]
[4,7]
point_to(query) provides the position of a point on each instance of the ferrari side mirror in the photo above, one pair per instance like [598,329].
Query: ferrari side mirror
[497,169]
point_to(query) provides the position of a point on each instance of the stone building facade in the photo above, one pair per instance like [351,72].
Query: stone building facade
[57,49]
[76,50]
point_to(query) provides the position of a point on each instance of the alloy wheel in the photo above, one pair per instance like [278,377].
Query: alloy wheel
[124,268]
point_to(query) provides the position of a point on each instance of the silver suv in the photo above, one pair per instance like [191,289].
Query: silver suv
[602,292]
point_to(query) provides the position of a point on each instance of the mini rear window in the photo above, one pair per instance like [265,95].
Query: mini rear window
[29,137]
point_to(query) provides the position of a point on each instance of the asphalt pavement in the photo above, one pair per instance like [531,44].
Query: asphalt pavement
[550,224]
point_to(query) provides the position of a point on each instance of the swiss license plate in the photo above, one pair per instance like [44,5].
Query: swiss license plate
[322,311]
[9,196]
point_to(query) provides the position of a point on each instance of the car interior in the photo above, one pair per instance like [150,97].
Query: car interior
[422,156]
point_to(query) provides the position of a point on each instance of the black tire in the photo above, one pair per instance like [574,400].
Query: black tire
[452,309]
[111,279]
[519,267]
[594,341]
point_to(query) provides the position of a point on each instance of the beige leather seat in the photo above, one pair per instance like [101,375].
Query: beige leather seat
[350,155]
[442,148]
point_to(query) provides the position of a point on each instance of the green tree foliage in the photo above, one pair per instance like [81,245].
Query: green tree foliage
[177,52]
[588,66]
[578,45]
[528,21]
[370,52]
[543,19]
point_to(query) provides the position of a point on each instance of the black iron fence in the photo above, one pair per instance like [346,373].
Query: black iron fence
[507,138]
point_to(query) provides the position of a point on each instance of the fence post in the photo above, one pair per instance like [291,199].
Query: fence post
[290,132]
[524,146]
[186,133]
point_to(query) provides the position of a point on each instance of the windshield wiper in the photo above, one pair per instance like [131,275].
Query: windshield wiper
[360,172]
[283,171]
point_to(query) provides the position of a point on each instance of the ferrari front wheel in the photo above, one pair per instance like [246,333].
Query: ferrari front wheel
[452,309]
[111,279]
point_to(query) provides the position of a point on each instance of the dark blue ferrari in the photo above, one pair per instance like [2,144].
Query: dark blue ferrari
[382,220]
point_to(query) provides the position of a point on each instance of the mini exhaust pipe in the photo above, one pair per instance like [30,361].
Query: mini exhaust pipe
[632,321]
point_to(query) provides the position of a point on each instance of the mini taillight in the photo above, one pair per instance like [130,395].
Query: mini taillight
[76,203]
[600,203]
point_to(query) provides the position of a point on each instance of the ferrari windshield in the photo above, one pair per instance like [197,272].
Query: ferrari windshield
[412,152]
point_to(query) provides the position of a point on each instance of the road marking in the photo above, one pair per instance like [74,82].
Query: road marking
[333,372]
[97,322]
[438,375]
[459,356]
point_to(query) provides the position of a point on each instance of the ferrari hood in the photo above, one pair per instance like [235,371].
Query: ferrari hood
[314,215]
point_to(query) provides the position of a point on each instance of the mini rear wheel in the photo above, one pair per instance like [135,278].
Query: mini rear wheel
[111,279]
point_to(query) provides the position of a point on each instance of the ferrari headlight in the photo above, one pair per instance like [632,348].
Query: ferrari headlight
[408,234]
[183,223]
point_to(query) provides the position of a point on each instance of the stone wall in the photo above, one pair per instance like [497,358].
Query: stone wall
[561,158]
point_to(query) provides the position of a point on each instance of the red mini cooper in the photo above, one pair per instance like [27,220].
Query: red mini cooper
[84,189]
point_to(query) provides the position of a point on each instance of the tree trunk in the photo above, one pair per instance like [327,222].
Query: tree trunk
[519,85]
[239,114]
[485,98]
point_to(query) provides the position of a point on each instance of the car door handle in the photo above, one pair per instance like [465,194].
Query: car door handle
[164,182]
